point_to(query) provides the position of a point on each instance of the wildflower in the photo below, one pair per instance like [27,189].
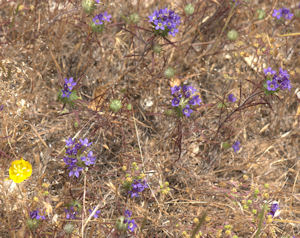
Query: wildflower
[68,87]
[71,213]
[70,142]
[85,142]
[70,83]
[188,91]
[128,213]
[100,18]
[231,98]
[138,186]
[195,100]
[269,70]
[35,215]
[70,161]
[236,146]
[74,171]
[89,160]
[175,102]
[280,80]
[175,89]
[165,21]
[96,215]
[272,85]
[20,170]
[187,110]
[131,225]
[283,12]
[76,157]
[274,210]
[97,1]
[184,98]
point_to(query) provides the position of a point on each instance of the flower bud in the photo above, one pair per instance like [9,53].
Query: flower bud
[260,14]
[157,48]
[169,72]
[189,9]
[232,35]
[69,228]
[32,223]
[121,225]
[88,6]
[115,105]
[134,18]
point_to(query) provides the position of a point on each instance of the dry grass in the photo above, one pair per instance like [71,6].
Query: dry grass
[46,41]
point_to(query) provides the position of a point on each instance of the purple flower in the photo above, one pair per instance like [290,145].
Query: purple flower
[274,210]
[35,215]
[128,213]
[284,83]
[231,98]
[187,110]
[269,71]
[90,159]
[85,142]
[165,20]
[70,142]
[188,90]
[96,215]
[131,225]
[70,83]
[236,146]
[70,213]
[137,187]
[65,93]
[272,85]
[98,19]
[1,107]
[97,1]
[195,100]
[175,89]
[283,12]
[70,161]
[280,80]
[74,171]
[283,73]
[175,102]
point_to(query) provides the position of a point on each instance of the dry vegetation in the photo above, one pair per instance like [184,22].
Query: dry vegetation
[44,41]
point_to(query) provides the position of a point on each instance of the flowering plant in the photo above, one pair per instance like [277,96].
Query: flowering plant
[185,98]
[20,170]
[76,156]
[164,22]
[275,82]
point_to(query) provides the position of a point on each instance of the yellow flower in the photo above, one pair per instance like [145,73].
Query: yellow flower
[20,170]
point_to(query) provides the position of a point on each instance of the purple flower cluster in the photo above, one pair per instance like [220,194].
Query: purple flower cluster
[68,87]
[184,98]
[137,187]
[36,215]
[71,213]
[283,12]
[277,81]
[165,20]
[100,18]
[131,225]
[75,159]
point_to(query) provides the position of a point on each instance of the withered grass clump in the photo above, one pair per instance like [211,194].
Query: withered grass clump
[186,178]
